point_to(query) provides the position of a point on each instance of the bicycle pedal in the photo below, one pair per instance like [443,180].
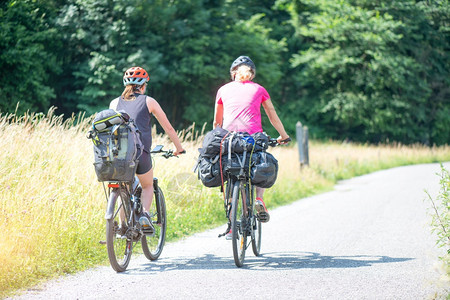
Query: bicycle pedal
[148,231]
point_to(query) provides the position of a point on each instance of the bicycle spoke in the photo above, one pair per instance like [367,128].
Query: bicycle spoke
[117,210]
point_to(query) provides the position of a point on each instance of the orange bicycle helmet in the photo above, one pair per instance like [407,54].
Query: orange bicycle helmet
[135,75]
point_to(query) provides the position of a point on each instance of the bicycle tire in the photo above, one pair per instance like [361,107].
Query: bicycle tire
[119,246]
[256,237]
[256,227]
[152,246]
[239,236]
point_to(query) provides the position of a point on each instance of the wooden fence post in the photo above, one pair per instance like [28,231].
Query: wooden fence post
[302,142]
[306,144]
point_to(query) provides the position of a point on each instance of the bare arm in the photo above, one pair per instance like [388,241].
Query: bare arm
[218,115]
[156,110]
[274,119]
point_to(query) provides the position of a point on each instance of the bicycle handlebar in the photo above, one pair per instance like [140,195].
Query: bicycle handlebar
[274,142]
[165,153]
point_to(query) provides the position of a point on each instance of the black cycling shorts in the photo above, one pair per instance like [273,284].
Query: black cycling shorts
[145,163]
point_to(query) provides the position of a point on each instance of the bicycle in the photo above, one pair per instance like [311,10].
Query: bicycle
[123,230]
[239,203]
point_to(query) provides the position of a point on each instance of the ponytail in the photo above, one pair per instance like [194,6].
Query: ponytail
[128,92]
[243,73]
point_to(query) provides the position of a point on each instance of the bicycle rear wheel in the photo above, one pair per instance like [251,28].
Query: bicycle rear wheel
[238,226]
[118,245]
[152,246]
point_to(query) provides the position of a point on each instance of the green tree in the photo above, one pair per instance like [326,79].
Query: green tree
[187,47]
[27,59]
[365,71]
[426,40]
[354,83]
[349,69]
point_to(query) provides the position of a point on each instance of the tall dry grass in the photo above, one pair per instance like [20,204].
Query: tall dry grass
[49,200]
[52,207]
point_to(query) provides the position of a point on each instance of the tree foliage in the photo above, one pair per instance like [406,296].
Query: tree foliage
[362,73]
[29,47]
[363,70]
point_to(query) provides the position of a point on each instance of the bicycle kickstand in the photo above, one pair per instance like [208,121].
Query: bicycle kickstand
[226,231]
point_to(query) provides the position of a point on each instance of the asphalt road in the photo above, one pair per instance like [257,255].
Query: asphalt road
[368,239]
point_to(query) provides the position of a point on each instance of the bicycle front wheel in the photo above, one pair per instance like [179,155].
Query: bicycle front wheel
[118,245]
[238,226]
[152,246]
[256,226]
[256,236]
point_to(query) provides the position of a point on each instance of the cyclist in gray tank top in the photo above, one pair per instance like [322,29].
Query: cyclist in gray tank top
[138,110]
[141,108]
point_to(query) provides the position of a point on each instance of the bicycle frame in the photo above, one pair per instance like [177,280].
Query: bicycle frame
[247,195]
[231,182]
[120,187]
[233,178]
[130,190]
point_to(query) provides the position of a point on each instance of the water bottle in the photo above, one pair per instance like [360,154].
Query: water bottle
[249,140]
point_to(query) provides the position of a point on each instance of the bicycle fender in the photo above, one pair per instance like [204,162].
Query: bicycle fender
[110,206]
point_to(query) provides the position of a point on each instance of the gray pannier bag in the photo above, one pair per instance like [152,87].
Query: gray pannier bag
[117,146]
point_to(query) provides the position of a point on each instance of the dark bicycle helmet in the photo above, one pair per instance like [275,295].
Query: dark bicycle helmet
[243,60]
[135,75]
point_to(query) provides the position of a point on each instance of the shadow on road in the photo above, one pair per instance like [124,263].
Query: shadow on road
[312,260]
[268,261]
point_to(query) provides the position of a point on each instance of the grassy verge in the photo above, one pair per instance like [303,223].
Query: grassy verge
[440,224]
[52,207]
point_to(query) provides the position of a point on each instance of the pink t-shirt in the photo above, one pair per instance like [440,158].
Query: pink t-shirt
[242,105]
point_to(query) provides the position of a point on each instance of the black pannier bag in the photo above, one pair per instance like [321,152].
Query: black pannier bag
[263,166]
[209,168]
[261,141]
[233,166]
[209,171]
[117,146]
[265,170]
[211,142]
[208,164]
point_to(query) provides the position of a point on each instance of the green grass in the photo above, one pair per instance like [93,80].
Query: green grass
[52,207]
[440,225]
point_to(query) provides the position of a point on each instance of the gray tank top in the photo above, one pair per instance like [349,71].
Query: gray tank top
[138,111]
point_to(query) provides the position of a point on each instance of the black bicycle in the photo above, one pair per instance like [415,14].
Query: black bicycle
[239,205]
[123,230]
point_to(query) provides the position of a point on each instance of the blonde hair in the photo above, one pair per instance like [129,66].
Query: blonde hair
[128,92]
[243,73]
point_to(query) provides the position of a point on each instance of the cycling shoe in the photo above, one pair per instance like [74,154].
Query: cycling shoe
[261,211]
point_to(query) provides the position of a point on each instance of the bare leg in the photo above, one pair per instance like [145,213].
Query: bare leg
[260,192]
[146,181]
[262,213]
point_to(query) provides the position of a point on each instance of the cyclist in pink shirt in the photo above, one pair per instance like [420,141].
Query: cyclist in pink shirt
[238,108]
